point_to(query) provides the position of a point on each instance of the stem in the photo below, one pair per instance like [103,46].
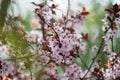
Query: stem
[112,44]
[31,74]
[68,9]
[43,32]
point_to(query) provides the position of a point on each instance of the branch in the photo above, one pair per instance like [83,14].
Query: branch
[112,44]
[43,31]
[98,52]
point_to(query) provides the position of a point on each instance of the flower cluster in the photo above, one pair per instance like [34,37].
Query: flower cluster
[112,19]
[113,71]
[51,73]
[63,50]
[6,67]
[73,72]
[111,27]
[58,39]
[59,44]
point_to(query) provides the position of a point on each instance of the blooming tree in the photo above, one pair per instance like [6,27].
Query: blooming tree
[57,44]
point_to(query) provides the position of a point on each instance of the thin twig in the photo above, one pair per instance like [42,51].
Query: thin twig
[68,9]
[54,8]
[31,74]
[43,31]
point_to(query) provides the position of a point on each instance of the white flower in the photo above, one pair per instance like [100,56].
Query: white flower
[107,48]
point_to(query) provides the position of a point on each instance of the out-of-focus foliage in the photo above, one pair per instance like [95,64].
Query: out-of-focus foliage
[3,12]
[19,46]
[9,26]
